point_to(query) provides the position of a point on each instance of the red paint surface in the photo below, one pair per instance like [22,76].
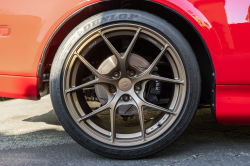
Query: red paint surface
[233,104]
[225,27]
[19,87]
[223,24]
[31,25]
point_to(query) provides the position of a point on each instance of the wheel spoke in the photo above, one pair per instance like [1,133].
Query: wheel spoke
[141,92]
[157,59]
[159,78]
[146,75]
[90,88]
[131,45]
[137,102]
[120,64]
[88,84]
[163,79]
[113,104]
[100,78]
[112,122]
[141,117]
[89,66]
[111,47]
[158,108]
[101,109]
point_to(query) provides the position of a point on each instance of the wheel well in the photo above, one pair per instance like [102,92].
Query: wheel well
[178,21]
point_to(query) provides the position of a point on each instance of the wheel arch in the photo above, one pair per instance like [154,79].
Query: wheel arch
[176,15]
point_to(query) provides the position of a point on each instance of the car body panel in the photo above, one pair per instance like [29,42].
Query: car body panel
[233,103]
[223,24]
[31,27]
[19,87]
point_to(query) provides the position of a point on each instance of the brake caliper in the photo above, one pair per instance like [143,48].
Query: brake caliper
[154,88]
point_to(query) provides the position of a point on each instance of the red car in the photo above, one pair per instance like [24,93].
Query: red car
[125,76]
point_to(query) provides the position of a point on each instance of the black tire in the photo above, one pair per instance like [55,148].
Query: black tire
[192,94]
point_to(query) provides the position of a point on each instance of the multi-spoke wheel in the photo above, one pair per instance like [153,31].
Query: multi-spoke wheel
[125,84]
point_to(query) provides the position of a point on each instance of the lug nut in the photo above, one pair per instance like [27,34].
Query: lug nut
[138,87]
[112,89]
[125,98]
[116,74]
[131,72]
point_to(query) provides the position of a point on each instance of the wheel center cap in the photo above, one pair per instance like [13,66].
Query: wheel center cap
[125,84]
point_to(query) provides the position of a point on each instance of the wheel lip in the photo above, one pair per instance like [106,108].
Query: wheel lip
[178,105]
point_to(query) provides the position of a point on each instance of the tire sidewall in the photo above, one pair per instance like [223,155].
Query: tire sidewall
[179,43]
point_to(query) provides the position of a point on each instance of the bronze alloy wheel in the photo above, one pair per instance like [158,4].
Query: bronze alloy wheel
[123,85]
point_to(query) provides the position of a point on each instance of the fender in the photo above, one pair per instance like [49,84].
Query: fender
[197,19]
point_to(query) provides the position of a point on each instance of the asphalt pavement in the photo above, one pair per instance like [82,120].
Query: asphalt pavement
[30,134]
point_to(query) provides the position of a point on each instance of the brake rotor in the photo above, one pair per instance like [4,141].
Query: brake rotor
[107,65]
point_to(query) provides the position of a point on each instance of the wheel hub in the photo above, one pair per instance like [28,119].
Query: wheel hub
[125,84]
[109,64]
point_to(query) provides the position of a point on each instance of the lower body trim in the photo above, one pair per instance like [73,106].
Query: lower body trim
[233,104]
[19,87]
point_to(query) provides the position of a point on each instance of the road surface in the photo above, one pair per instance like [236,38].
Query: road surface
[30,134]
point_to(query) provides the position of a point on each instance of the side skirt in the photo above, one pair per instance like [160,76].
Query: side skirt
[19,87]
[233,104]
